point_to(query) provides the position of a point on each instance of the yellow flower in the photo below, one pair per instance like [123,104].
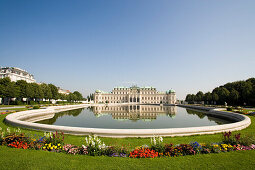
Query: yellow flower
[55,147]
[44,147]
[59,144]
[51,148]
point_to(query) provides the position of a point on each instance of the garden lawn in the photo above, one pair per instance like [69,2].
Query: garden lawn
[12,158]
[14,109]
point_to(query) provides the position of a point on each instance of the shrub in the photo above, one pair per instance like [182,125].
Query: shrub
[20,102]
[36,107]
[32,103]
[229,109]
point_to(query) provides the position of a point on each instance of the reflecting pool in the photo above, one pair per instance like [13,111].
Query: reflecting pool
[133,117]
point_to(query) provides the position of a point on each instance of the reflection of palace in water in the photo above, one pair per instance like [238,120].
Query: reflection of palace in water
[135,112]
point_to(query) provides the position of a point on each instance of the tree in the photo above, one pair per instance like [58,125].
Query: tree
[199,96]
[70,97]
[29,92]
[91,96]
[63,96]
[223,94]
[11,91]
[188,98]
[78,95]
[46,91]
[246,92]
[233,96]
[215,97]
[1,90]
[38,92]
[207,97]
[54,91]
[22,84]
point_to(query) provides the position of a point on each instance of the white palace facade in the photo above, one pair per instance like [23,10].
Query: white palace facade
[135,95]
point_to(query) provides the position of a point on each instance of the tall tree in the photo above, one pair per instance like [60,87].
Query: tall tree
[207,97]
[199,96]
[46,91]
[30,93]
[188,98]
[215,97]
[246,92]
[223,94]
[11,91]
[78,95]
[22,84]
[233,96]
[54,91]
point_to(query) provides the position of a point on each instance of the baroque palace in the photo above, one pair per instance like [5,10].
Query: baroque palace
[135,95]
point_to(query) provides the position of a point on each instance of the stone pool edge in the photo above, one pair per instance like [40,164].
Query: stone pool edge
[15,119]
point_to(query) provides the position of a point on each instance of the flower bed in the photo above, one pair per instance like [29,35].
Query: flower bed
[93,146]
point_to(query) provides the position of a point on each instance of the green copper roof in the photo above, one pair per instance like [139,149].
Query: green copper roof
[98,91]
[171,91]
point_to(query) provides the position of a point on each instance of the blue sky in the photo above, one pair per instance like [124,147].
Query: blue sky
[87,45]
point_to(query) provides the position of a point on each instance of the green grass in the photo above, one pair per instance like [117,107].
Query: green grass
[31,159]
[11,158]
[13,109]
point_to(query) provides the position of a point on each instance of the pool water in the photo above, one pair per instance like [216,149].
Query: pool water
[134,117]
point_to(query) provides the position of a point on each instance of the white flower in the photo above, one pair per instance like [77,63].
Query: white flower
[8,130]
[2,134]
[154,140]
[160,139]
